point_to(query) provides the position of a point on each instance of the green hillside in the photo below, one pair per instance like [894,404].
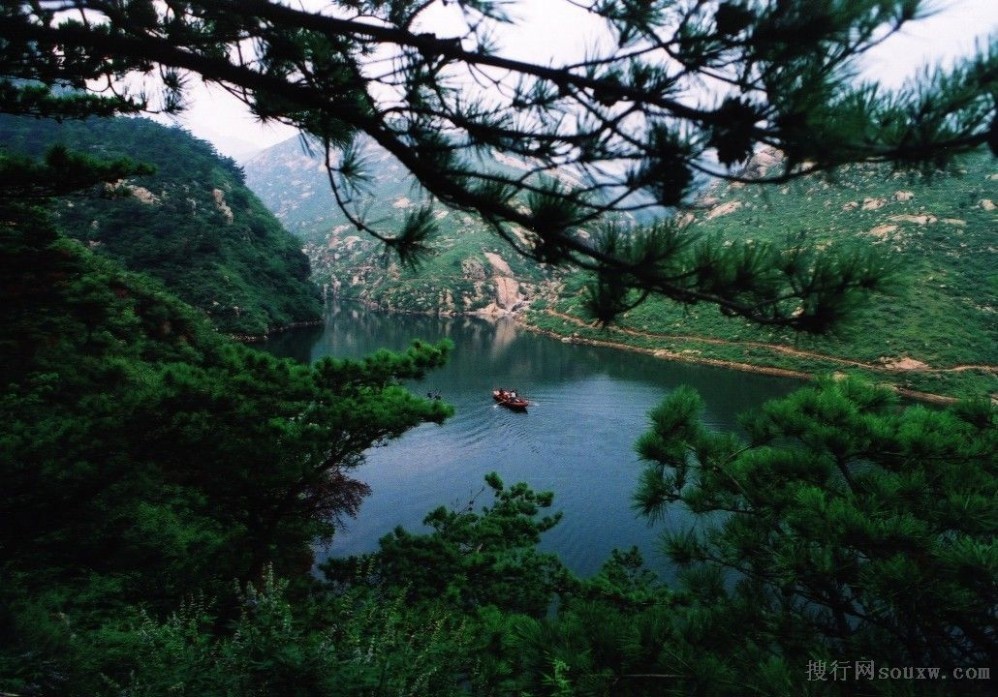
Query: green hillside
[194,224]
[936,332]
[471,270]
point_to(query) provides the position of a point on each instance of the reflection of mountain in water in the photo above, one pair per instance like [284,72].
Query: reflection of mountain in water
[588,407]
[505,331]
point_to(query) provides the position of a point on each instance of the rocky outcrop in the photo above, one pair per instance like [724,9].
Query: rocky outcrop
[139,193]
[222,206]
[465,275]
[508,296]
[762,162]
[723,209]
[926,219]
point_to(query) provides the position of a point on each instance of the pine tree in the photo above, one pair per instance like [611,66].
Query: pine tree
[687,91]
[145,457]
[841,527]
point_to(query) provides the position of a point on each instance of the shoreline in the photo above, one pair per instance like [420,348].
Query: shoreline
[664,354]
[274,331]
[520,319]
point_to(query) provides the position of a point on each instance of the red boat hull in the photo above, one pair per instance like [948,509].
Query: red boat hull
[510,400]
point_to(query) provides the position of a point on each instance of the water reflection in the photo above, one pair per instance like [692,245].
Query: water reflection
[588,407]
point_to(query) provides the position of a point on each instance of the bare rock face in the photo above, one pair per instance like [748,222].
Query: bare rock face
[508,296]
[221,204]
[926,219]
[723,209]
[507,293]
[902,363]
[139,193]
[499,264]
[762,161]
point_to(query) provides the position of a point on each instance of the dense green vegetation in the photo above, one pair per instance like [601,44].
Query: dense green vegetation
[162,485]
[162,494]
[192,223]
[145,458]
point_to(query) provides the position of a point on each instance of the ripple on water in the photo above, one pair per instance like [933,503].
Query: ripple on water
[587,409]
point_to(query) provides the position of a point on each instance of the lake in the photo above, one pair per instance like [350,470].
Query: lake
[588,406]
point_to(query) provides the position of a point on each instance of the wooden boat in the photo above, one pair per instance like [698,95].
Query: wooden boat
[510,399]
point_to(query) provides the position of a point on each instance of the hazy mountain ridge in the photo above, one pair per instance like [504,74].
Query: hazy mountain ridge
[471,271]
[938,331]
[193,225]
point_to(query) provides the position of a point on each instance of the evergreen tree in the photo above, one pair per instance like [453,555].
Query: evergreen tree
[687,90]
[840,529]
[471,559]
[145,458]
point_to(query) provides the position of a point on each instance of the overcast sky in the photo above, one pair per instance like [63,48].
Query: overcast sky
[550,28]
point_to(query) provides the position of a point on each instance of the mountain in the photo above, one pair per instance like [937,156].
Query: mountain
[193,224]
[935,333]
[937,330]
[471,271]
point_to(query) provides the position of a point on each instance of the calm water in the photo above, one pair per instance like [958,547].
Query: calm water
[588,407]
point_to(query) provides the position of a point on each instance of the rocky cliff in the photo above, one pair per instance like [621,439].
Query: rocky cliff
[471,272]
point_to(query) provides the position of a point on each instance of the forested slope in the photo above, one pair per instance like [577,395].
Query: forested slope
[146,459]
[192,224]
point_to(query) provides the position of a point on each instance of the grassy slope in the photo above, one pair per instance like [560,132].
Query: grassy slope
[941,313]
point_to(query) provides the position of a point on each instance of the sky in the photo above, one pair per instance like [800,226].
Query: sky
[541,36]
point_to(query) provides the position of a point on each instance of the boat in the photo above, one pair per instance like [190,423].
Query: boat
[510,399]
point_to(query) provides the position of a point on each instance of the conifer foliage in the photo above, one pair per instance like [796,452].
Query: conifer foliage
[682,92]
[840,528]
[145,458]
[162,486]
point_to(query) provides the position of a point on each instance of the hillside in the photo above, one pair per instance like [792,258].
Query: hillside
[471,272]
[147,460]
[937,332]
[193,225]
